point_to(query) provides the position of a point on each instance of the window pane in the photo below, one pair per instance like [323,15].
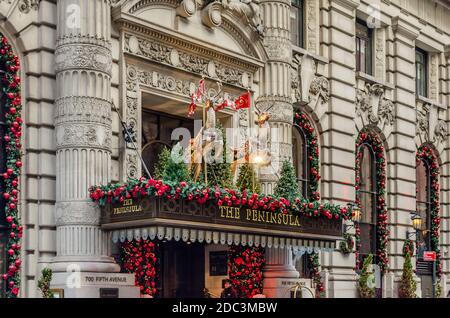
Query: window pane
[300,160]
[421,182]
[297,22]
[366,170]
[421,73]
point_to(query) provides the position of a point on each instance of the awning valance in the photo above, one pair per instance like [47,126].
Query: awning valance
[168,233]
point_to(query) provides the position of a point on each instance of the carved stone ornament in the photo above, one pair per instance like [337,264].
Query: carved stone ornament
[372,106]
[83,135]
[430,127]
[161,53]
[25,6]
[77,213]
[82,109]
[91,57]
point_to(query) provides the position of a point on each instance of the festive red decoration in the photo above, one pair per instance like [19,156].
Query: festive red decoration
[427,154]
[9,63]
[139,257]
[370,139]
[245,265]
[303,122]
[223,196]
[243,101]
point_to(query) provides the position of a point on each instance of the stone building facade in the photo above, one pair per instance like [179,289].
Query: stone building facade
[350,66]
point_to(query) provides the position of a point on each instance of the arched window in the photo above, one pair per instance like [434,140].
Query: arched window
[301,160]
[3,227]
[423,201]
[367,197]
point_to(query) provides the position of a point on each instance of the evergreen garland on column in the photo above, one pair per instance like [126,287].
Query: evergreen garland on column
[9,63]
[44,283]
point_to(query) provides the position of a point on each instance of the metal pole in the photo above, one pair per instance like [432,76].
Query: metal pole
[125,128]
[434,279]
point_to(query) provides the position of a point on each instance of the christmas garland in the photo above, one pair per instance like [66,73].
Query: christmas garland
[372,140]
[346,246]
[245,266]
[426,154]
[313,153]
[190,191]
[139,257]
[10,79]
[315,271]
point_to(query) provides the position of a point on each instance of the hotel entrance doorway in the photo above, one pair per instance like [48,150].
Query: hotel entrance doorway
[183,270]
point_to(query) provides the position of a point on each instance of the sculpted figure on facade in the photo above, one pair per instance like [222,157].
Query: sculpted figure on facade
[249,9]
[440,132]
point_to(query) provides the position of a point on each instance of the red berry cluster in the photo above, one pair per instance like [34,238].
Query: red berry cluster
[245,265]
[12,107]
[139,257]
[201,193]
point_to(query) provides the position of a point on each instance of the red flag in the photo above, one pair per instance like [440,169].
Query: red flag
[243,101]
[226,103]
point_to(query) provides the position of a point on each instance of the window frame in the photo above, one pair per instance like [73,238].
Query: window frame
[299,5]
[368,58]
[427,203]
[305,182]
[374,196]
[421,84]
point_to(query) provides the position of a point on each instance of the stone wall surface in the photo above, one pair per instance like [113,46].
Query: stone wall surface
[75,70]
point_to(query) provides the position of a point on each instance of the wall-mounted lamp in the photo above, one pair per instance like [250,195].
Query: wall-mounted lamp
[417,224]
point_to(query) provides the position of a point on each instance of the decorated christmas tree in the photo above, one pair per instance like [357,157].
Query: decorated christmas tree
[175,169]
[366,283]
[247,179]
[407,288]
[44,283]
[161,164]
[219,173]
[287,186]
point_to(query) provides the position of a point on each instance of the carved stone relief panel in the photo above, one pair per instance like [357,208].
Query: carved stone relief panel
[312,22]
[187,61]
[380,53]
[373,108]
[307,87]
[431,125]
[434,77]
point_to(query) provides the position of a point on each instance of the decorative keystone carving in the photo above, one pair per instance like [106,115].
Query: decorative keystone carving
[373,107]
[430,125]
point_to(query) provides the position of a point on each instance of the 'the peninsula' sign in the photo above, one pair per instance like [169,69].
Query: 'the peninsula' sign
[147,210]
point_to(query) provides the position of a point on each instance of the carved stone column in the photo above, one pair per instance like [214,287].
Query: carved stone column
[279,273]
[276,85]
[83,133]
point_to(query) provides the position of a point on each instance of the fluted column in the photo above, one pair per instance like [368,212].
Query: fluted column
[276,84]
[276,93]
[83,132]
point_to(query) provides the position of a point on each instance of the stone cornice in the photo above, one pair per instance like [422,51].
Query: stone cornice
[161,34]
[404,27]
[348,4]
